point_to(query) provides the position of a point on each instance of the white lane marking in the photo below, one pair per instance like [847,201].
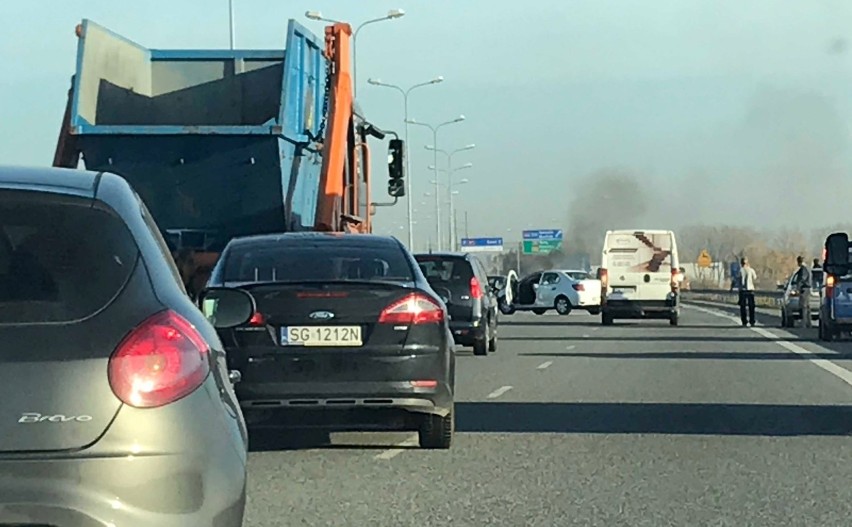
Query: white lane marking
[498,392]
[586,336]
[569,348]
[399,448]
[595,329]
[838,371]
[545,365]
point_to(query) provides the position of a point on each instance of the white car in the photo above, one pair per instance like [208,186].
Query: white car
[562,290]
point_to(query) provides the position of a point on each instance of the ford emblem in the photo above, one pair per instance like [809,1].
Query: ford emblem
[321,315]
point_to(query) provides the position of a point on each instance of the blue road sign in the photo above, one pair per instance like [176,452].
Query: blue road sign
[482,244]
[543,234]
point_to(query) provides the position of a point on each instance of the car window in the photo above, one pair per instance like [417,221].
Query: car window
[550,279]
[161,242]
[445,270]
[60,258]
[311,260]
[579,275]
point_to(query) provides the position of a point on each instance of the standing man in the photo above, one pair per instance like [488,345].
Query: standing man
[748,278]
[803,284]
[817,265]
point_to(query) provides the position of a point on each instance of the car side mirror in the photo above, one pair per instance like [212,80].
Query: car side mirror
[535,286]
[226,307]
[781,287]
[396,168]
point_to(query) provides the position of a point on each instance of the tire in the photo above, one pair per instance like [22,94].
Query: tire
[480,347]
[606,320]
[562,306]
[436,432]
[492,344]
[507,309]
[595,311]
[539,311]
[783,318]
[674,320]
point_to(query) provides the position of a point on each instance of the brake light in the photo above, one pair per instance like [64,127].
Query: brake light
[829,286]
[424,384]
[159,362]
[674,280]
[257,319]
[604,278]
[579,287]
[475,288]
[414,309]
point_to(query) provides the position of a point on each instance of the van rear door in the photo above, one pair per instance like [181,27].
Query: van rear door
[639,265]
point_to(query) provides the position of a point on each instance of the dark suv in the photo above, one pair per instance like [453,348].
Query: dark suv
[462,283]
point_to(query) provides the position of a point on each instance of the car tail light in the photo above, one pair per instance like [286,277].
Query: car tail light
[829,286]
[604,279]
[257,319]
[475,288]
[579,287]
[424,384]
[412,310]
[674,280]
[159,362]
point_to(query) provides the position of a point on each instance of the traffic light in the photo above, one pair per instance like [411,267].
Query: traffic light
[396,168]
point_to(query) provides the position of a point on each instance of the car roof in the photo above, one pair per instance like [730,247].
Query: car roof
[295,237]
[50,179]
[444,254]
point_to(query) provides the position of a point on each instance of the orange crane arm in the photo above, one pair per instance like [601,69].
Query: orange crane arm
[332,183]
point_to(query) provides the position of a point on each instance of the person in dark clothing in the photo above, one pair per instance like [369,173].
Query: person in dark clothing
[817,265]
[803,285]
[747,281]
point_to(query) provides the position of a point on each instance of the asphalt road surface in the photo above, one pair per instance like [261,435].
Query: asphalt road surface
[571,423]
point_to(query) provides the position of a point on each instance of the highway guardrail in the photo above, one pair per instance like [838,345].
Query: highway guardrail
[761,298]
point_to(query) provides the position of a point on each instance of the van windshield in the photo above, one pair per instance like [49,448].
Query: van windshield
[640,252]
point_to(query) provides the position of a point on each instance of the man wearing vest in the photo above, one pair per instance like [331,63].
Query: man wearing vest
[747,280]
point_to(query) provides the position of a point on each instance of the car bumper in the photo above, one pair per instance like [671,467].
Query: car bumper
[641,308]
[465,333]
[365,392]
[151,467]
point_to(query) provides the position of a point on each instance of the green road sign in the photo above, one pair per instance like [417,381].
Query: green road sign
[541,246]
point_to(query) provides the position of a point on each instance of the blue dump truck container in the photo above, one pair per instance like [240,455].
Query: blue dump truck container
[217,143]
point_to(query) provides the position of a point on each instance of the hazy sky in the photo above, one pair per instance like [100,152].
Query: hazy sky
[725,110]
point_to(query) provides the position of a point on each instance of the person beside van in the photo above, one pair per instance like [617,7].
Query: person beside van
[747,281]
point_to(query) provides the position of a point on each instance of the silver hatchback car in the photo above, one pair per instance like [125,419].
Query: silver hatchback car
[791,309]
[117,407]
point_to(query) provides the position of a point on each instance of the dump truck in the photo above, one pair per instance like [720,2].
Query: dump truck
[225,143]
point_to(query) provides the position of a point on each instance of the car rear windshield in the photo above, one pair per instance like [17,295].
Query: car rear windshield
[445,270]
[309,261]
[60,259]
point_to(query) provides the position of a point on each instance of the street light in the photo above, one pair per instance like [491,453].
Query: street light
[435,129]
[450,170]
[231,21]
[378,82]
[392,14]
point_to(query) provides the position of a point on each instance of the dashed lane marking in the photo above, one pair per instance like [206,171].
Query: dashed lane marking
[399,448]
[498,392]
[545,365]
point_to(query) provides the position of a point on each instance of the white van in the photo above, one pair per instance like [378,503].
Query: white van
[639,276]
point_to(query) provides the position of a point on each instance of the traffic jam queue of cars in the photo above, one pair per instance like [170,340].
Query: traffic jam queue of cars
[114,378]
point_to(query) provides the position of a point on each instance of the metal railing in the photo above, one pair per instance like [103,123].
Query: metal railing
[762,298]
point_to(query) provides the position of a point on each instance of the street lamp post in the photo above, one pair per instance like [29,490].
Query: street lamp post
[409,191]
[452,234]
[392,14]
[435,129]
[231,22]
[450,170]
